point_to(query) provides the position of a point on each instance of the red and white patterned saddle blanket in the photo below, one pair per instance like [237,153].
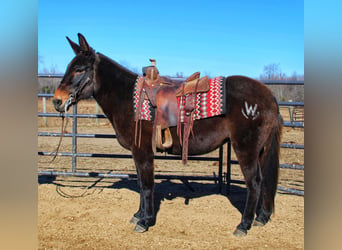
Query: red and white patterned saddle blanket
[208,104]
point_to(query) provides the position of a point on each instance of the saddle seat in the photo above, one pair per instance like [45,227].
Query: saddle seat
[162,93]
[194,84]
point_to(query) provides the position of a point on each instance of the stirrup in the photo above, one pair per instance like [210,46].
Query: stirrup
[167,136]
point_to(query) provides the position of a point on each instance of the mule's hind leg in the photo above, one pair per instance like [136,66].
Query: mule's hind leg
[251,170]
[270,169]
[266,206]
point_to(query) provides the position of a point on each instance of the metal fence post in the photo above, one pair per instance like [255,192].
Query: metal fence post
[229,168]
[44,110]
[97,112]
[220,168]
[74,138]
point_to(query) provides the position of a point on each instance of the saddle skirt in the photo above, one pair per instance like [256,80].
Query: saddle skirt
[207,104]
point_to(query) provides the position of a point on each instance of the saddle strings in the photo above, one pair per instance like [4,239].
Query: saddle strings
[137,133]
[179,123]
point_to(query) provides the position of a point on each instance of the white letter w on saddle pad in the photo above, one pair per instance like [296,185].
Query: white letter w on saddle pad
[250,111]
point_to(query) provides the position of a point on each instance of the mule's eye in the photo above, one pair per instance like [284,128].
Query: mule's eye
[79,70]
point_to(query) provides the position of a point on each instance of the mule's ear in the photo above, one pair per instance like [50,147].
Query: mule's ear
[83,43]
[74,46]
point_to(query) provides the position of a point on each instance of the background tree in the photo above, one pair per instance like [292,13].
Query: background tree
[47,85]
[273,71]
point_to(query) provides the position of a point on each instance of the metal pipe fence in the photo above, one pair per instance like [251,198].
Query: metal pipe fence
[221,178]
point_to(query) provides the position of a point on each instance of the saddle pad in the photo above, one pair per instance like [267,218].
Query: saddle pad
[208,104]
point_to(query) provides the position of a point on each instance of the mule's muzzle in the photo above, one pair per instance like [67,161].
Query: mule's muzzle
[60,98]
[63,107]
[57,103]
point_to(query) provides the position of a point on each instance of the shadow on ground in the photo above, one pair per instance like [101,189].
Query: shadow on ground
[164,189]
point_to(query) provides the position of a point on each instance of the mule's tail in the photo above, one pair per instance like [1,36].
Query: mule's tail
[270,164]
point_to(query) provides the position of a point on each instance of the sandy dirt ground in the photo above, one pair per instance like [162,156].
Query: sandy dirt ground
[98,218]
[94,213]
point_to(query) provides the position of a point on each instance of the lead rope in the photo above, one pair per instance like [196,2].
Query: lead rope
[63,127]
[83,194]
[59,187]
[59,143]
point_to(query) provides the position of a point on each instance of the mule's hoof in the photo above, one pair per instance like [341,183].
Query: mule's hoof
[240,233]
[139,229]
[134,220]
[258,224]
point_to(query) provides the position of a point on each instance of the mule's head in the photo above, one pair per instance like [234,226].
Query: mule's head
[78,81]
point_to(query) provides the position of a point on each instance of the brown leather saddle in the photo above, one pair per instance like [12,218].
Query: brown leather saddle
[162,92]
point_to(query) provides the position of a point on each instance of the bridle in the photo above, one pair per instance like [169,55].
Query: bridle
[73,96]
[71,100]
[88,77]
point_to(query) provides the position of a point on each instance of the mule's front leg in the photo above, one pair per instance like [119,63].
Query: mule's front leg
[145,217]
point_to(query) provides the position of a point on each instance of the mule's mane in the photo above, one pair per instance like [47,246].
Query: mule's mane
[130,74]
[123,70]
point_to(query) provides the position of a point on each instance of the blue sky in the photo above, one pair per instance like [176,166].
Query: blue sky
[215,37]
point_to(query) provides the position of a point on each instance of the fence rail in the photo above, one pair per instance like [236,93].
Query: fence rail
[220,178]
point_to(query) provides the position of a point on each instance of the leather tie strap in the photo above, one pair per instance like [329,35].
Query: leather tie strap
[138,115]
[190,102]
